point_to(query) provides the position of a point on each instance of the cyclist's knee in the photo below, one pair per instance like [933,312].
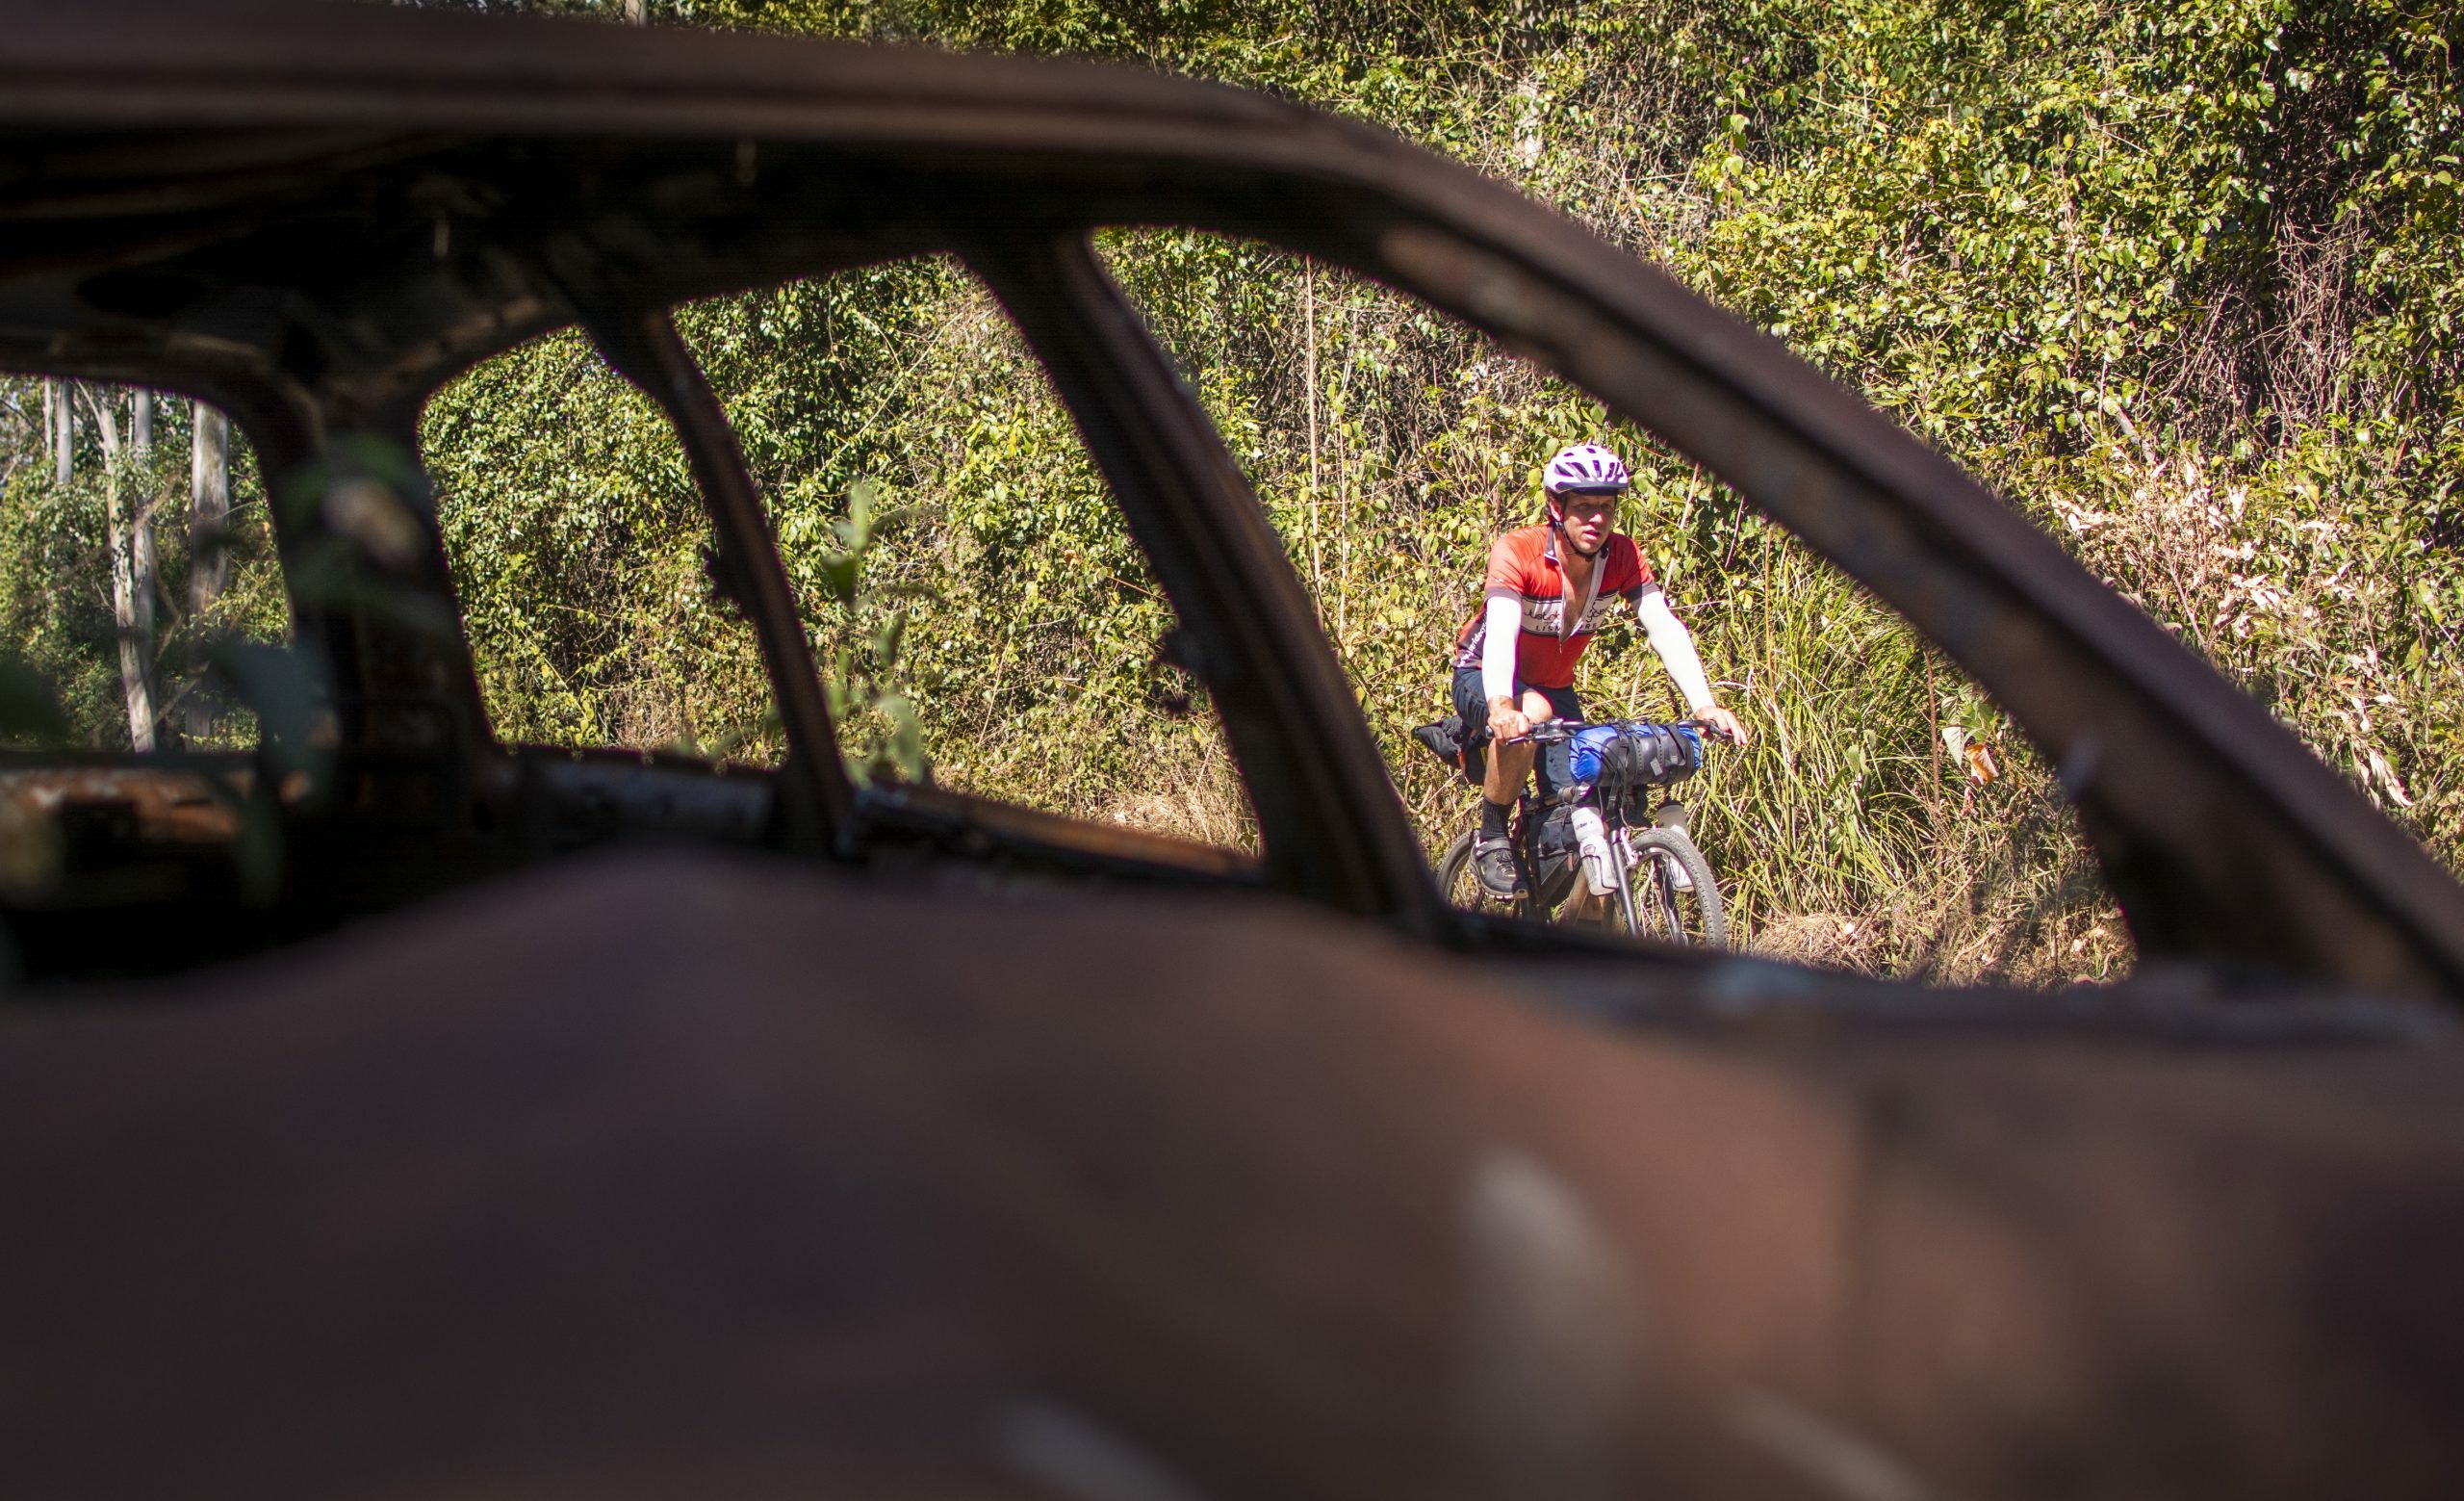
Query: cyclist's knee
[1536,706]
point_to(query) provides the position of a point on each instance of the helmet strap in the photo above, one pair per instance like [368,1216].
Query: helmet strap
[1557,524]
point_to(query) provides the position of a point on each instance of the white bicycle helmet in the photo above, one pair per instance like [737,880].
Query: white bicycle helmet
[1585,466]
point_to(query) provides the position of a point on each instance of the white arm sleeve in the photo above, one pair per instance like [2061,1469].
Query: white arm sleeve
[1675,647]
[1497,647]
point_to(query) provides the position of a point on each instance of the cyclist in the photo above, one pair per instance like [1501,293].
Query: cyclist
[1547,590]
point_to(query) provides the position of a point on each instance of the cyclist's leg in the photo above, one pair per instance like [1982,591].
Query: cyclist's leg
[1501,779]
[1510,765]
[1540,704]
[1493,858]
[1470,705]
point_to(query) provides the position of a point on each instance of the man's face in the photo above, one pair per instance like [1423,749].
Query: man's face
[1587,515]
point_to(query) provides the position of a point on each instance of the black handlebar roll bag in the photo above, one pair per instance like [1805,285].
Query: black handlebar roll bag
[1447,741]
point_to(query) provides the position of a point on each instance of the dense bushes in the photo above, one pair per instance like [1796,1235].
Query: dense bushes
[2183,280]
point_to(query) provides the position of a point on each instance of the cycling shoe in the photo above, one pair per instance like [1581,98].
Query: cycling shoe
[1493,866]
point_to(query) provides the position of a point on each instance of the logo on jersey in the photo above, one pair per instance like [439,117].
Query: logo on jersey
[1545,616]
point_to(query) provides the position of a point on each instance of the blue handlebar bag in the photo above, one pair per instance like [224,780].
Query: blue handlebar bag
[1628,753]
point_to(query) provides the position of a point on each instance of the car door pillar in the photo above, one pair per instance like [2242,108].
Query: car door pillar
[1333,826]
[816,799]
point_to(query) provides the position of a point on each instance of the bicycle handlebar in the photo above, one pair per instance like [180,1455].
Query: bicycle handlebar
[1548,732]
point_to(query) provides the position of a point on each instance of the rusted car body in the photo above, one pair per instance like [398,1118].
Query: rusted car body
[826,1167]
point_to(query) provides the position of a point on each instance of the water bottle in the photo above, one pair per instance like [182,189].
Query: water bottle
[1591,836]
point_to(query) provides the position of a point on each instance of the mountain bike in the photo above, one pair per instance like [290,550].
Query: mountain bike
[1642,875]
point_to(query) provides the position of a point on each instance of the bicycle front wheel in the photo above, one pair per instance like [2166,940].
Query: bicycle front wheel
[1670,893]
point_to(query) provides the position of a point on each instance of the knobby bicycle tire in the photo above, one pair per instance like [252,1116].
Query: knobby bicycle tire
[1699,915]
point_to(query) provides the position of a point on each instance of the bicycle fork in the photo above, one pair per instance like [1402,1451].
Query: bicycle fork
[1622,848]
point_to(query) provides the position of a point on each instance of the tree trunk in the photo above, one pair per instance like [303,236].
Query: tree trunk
[144,570]
[637,12]
[208,506]
[64,429]
[132,605]
[1309,390]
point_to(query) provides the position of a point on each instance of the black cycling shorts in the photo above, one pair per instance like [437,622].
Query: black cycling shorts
[1472,700]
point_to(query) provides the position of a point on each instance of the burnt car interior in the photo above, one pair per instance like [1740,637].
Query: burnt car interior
[315,247]
[916,1143]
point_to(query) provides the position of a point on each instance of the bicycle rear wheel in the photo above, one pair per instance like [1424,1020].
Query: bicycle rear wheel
[1673,896]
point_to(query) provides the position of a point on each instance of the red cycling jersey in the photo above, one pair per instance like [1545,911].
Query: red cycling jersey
[1523,565]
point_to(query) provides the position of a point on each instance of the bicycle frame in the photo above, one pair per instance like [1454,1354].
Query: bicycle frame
[1531,810]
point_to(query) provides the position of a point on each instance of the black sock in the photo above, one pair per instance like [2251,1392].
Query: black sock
[1493,819]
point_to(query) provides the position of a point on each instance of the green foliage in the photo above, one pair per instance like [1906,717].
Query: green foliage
[577,543]
[55,599]
[55,575]
[986,583]
[2184,280]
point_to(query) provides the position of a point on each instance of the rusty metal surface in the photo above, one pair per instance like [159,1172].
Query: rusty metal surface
[171,807]
[671,1176]
[985,827]
[559,799]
